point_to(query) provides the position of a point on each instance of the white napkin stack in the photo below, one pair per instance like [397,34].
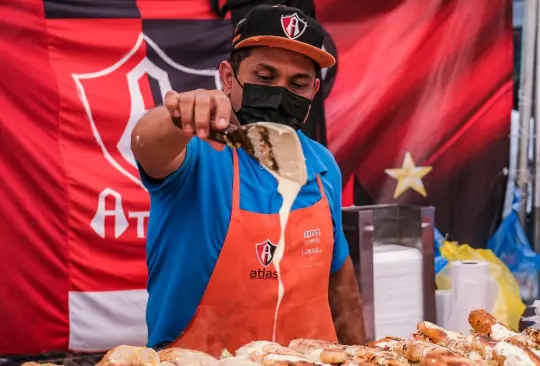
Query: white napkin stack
[398,292]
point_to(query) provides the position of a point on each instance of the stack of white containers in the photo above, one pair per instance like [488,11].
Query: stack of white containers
[472,288]
[398,290]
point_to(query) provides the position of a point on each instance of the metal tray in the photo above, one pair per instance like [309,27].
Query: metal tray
[411,226]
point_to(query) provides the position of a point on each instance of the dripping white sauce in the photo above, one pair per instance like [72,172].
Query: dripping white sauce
[288,190]
[288,154]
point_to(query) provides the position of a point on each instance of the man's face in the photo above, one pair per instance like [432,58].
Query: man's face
[272,67]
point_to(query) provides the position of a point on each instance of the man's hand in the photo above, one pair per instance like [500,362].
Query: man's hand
[159,144]
[199,110]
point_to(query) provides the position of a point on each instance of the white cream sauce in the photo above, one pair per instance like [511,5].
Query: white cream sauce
[514,355]
[475,356]
[487,353]
[235,361]
[288,190]
[427,350]
[452,335]
[500,332]
[388,345]
[255,346]
[289,358]
[192,358]
[314,354]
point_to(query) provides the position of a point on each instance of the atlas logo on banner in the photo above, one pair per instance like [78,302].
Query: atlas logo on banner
[293,25]
[98,92]
[265,254]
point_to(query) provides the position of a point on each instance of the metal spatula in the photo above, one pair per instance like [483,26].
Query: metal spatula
[274,145]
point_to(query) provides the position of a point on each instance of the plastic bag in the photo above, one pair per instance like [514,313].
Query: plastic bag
[511,245]
[508,306]
[440,261]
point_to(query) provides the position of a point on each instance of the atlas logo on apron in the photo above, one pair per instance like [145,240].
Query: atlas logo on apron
[265,254]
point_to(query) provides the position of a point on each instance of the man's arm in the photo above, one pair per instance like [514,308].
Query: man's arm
[160,146]
[344,295]
[346,305]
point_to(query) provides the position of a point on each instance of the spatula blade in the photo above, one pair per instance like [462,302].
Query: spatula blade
[276,146]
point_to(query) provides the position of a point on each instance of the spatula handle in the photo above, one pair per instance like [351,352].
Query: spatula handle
[233,136]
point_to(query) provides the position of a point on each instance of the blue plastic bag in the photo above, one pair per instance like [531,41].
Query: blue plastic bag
[440,262]
[511,245]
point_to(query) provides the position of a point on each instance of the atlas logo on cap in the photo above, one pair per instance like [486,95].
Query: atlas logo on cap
[293,25]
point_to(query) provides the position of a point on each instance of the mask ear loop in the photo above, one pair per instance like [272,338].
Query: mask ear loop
[238,81]
[241,86]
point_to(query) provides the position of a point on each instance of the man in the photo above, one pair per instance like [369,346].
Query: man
[214,218]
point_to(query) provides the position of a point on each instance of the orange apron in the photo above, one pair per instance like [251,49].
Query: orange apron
[240,299]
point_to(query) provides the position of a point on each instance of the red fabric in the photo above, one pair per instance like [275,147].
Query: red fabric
[433,79]
[34,279]
[429,78]
[235,283]
[177,9]
[451,59]
[112,262]
[347,199]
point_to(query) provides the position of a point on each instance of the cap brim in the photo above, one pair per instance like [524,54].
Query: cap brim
[321,57]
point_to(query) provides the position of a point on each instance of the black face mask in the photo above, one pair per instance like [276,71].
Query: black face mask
[263,103]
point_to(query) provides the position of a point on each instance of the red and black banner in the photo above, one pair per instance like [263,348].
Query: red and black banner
[417,111]
[433,82]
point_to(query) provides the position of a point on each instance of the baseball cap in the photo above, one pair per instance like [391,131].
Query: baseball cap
[283,27]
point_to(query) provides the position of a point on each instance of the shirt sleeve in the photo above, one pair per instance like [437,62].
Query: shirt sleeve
[178,181]
[341,247]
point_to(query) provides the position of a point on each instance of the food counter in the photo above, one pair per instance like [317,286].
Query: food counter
[489,344]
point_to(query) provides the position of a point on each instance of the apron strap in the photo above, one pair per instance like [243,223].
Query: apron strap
[236,181]
[321,187]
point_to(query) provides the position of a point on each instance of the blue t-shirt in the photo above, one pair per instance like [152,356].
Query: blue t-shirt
[189,217]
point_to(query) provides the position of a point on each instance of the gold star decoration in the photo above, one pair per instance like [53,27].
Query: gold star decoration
[409,176]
